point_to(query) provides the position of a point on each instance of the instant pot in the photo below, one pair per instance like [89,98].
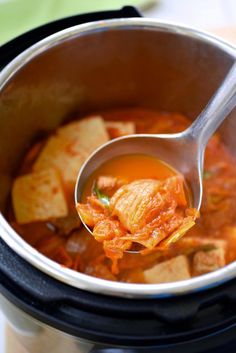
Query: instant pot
[78,65]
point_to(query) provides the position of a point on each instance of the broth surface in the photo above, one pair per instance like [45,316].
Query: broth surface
[131,167]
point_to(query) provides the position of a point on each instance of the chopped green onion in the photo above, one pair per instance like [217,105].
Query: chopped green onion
[105,200]
[215,199]
[207,174]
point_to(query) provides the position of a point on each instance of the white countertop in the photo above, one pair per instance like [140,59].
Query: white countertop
[201,14]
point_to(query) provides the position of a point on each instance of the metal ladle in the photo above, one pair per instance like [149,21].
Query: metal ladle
[183,151]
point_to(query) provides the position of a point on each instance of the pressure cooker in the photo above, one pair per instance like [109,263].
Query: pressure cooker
[85,63]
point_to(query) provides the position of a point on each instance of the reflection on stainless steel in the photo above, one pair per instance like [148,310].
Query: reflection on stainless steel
[125,62]
[37,337]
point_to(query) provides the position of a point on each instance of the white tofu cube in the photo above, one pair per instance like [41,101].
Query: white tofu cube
[38,197]
[69,147]
[208,261]
[176,269]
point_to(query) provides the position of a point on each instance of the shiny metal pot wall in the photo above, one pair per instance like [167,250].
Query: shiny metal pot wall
[126,62]
[35,337]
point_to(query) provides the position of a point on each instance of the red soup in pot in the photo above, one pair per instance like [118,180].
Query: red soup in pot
[43,210]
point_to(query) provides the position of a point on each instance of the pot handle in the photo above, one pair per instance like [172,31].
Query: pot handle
[14,47]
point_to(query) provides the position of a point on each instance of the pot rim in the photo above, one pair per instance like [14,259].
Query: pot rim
[80,280]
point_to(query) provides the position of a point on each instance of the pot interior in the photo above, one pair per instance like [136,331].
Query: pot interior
[112,65]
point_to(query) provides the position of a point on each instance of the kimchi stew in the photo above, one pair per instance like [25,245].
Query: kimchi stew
[43,212]
[136,200]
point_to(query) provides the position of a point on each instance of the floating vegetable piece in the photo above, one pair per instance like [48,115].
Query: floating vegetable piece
[207,174]
[65,225]
[104,199]
[120,128]
[93,211]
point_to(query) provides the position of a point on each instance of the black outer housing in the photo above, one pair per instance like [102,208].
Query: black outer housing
[14,47]
[207,317]
[199,322]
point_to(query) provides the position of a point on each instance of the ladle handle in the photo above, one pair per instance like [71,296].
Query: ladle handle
[220,105]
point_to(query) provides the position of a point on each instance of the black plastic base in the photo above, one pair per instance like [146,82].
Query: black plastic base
[207,318]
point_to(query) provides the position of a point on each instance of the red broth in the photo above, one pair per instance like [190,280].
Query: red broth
[131,167]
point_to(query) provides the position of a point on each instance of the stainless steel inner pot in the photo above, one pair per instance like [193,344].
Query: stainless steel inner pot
[112,63]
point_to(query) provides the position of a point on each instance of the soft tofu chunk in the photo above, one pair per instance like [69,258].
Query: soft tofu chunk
[108,184]
[208,261]
[70,146]
[176,269]
[120,128]
[38,197]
